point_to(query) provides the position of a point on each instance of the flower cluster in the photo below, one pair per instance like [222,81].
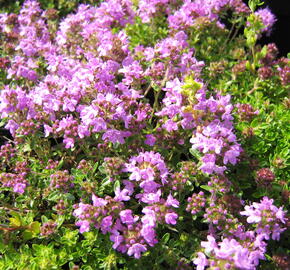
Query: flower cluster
[61,180]
[48,228]
[191,11]
[130,233]
[264,177]
[7,152]
[244,249]
[216,139]
[150,170]
[15,181]
[267,18]
[196,203]
[230,254]
[269,218]
[246,112]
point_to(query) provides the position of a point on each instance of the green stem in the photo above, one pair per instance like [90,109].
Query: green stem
[156,97]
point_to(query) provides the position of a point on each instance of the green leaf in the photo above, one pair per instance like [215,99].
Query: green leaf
[106,182]
[277,187]
[44,219]
[208,188]
[96,165]
[34,227]
[102,169]
[165,238]
[27,235]
[195,153]
[15,222]
[53,196]
[258,194]
[26,148]
[117,185]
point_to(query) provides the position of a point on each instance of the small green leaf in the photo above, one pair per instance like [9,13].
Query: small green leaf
[102,169]
[34,227]
[195,153]
[15,222]
[258,194]
[208,188]
[106,182]
[117,185]
[165,238]
[96,165]
[27,235]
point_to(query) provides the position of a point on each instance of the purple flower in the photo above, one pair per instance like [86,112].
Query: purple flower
[227,248]
[268,217]
[210,245]
[170,218]
[254,215]
[201,262]
[170,125]
[149,218]
[136,250]
[144,168]
[150,139]
[117,239]
[116,136]
[148,233]
[69,142]
[98,201]
[106,224]
[19,188]
[232,154]
[268,19]
[151,198]
[127,217]
[242,260]
[172,202]
[122,195]
[149,186]
[84,225]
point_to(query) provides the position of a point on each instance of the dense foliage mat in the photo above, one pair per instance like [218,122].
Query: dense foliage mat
[149,134]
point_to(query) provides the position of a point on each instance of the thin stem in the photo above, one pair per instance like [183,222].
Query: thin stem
[254,88]
[11,208]
[4,227]
[235,34]
[148,88]
[230,32]
[156,97]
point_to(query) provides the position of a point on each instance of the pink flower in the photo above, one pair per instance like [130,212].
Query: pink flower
[98,201]
[170,218]
[150,139]
[127,217]
[201,262]
[210,245]
[268,19]
[172,202]
[84,225]
[148,233]
[136,250]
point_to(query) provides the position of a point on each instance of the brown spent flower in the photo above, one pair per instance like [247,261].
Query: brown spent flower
[282,261]
[264,177]
[265,73]
[239,67]
[48,228]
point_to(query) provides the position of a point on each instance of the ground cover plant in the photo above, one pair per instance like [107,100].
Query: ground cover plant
[143,135]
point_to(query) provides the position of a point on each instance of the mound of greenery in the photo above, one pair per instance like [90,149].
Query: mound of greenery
[142,135]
